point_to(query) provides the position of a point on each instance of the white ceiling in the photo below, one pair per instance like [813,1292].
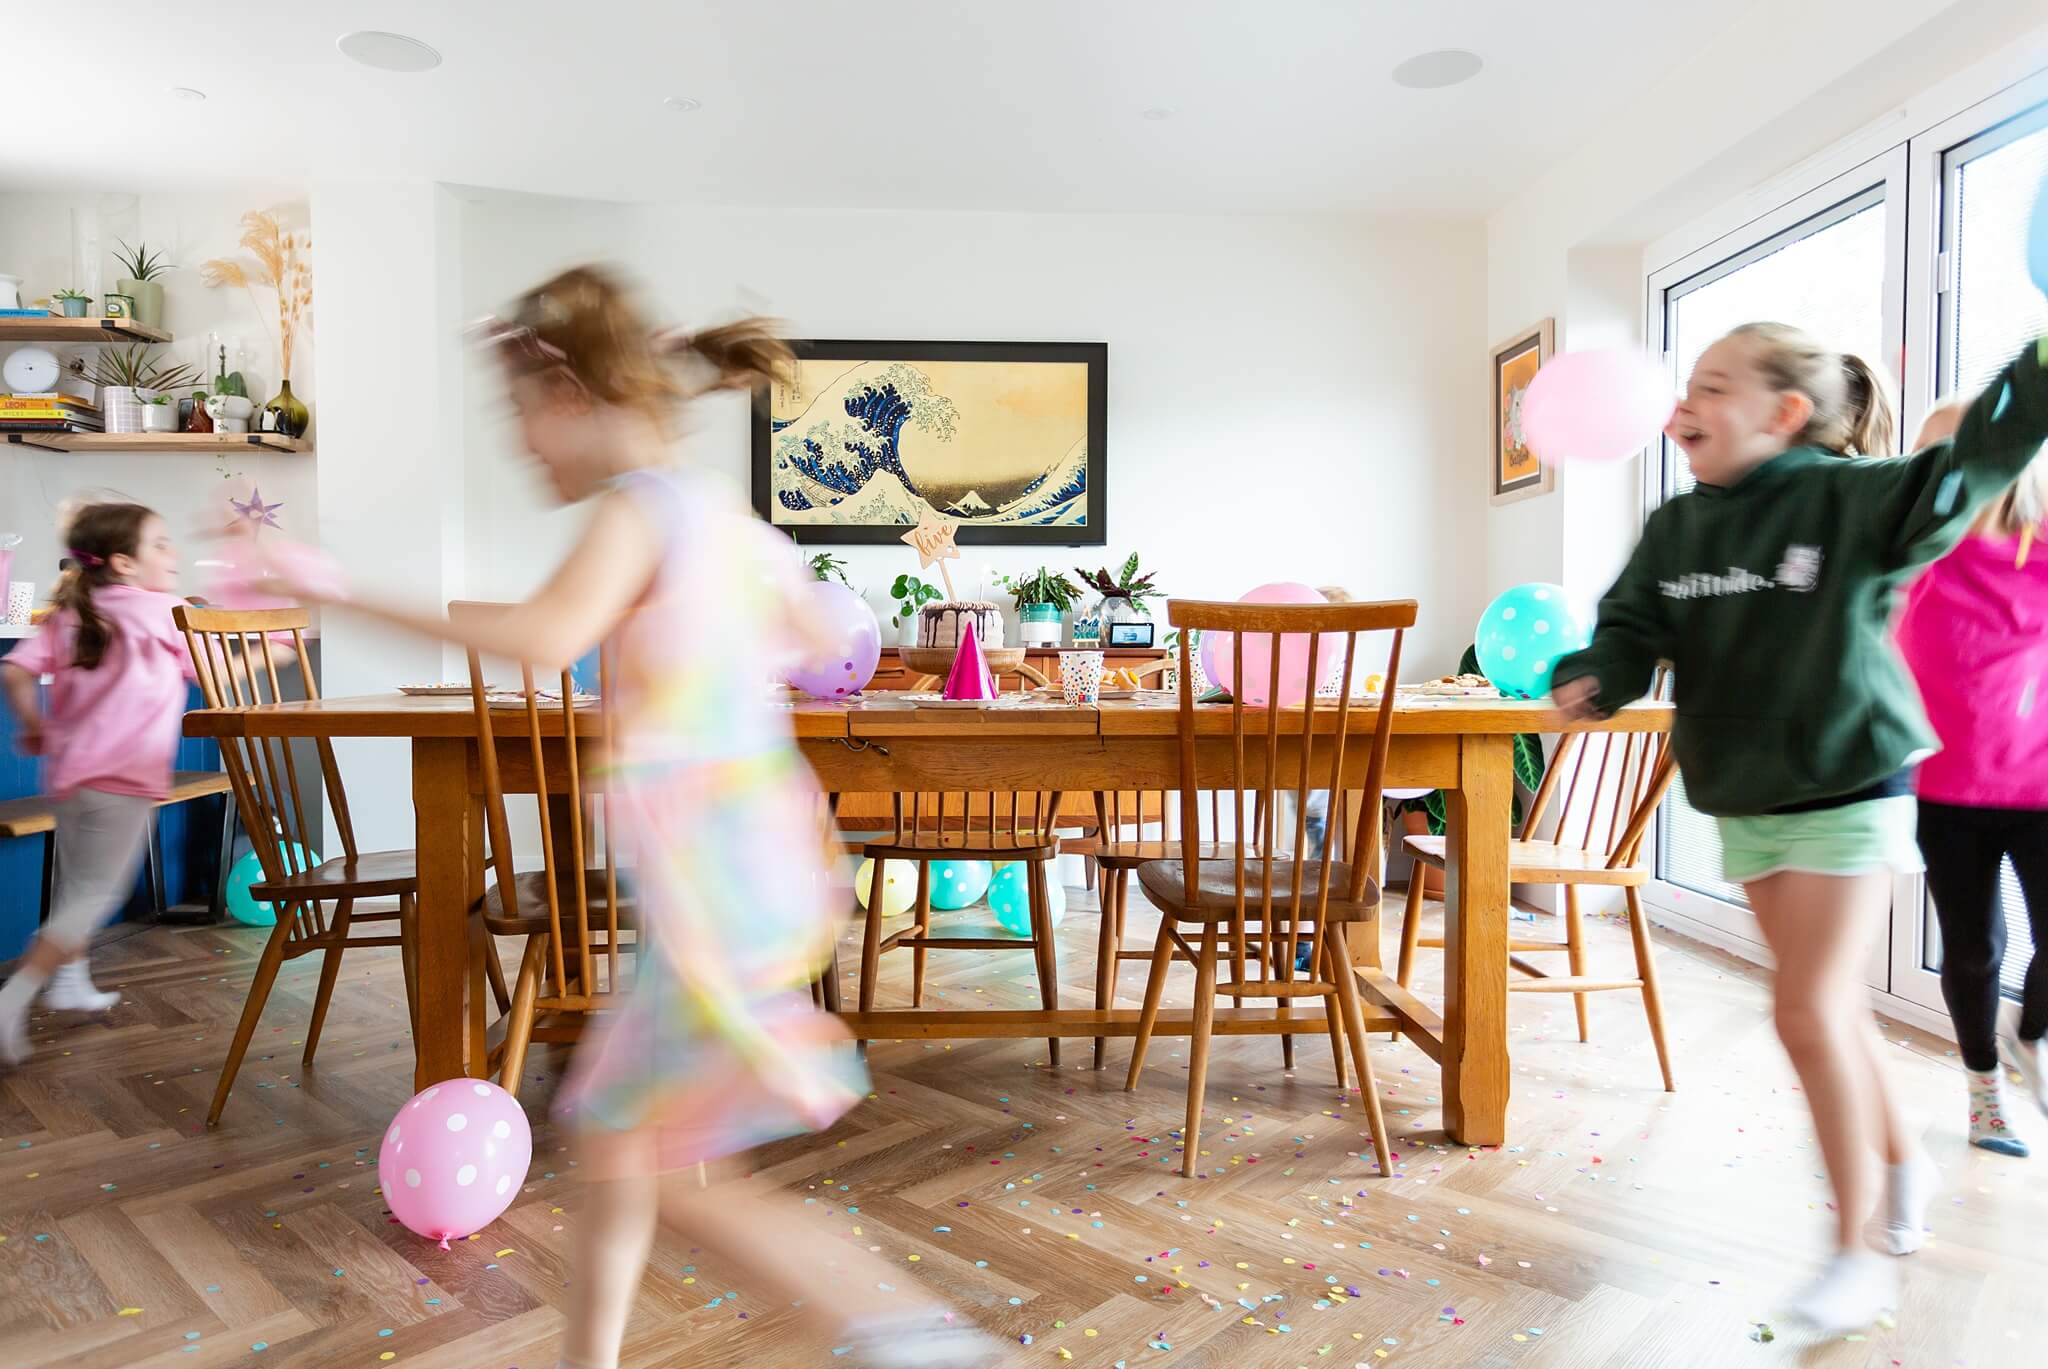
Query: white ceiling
[1279,105]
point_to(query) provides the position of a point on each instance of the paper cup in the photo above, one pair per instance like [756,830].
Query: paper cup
[1081,677]
[21,601]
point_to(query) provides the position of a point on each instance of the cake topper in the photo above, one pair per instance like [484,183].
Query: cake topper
[933,538]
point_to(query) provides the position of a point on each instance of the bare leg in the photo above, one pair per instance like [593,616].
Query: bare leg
[614,1232]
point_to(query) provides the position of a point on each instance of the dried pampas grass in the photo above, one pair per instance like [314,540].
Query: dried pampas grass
[283,264]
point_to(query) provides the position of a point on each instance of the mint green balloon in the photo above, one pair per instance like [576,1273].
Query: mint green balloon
[958,883]
[1009,898]
[248,871]
[1522,635]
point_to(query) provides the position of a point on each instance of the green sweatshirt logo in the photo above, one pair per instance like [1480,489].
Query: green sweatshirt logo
[1798,572]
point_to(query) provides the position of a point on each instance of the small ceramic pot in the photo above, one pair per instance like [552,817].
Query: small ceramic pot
[74,308]
[121,407]
[148,297]
[1039,625]
[230,413]
[160,418]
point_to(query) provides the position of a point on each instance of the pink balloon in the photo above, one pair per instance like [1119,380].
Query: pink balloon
[1596,406]
[454,1158]
[852,663]
[1258,651]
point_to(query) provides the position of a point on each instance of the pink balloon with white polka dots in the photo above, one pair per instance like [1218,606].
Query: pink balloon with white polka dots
[453,1158]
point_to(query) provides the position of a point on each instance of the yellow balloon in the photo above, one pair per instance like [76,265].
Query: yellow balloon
[899,886]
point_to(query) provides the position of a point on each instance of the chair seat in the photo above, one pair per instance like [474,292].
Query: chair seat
[1129,853]
[1541,862]
[373,874]
[1215,895]
[532,918]
[26,817]
[999,845]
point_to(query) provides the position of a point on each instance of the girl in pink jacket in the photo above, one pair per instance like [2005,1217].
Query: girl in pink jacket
[1975,633]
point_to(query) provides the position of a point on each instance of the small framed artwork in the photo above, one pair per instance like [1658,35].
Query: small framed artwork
[117,306]
[1130,634]
[1513,472]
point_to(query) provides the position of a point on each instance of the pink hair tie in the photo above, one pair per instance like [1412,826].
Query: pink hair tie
[86,558]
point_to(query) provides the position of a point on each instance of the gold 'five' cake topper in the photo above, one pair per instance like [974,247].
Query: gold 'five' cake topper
[933,538]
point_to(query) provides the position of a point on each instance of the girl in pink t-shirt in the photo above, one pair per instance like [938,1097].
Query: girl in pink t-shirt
[1975,633]
[118,673]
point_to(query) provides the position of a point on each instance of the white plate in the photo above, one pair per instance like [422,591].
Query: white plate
[428,691]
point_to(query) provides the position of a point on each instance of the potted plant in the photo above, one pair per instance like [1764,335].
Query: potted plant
[1042,598]
[911,594]
[1122,599]
[72,302]
[160,413]
[128,377]
[826,566]
[140,268]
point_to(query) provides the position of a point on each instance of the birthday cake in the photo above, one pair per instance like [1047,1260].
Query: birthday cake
[942,625]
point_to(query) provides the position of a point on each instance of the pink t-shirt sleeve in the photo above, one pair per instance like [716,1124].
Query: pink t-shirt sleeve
[38,654]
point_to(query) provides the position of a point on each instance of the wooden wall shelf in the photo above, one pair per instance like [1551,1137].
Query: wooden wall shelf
[78,331]
[160,442]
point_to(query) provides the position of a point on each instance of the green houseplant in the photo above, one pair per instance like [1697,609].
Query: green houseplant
[826,566]
[140,269]
[911,594]
[1042,597]
[128,378]
[72,302]
[1427,813]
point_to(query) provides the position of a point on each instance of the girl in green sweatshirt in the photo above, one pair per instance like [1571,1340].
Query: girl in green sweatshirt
[1769,587]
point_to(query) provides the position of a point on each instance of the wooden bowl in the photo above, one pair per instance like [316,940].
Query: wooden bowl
[938,660]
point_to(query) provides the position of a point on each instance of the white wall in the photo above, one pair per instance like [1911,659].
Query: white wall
[1289,398]
[39,243]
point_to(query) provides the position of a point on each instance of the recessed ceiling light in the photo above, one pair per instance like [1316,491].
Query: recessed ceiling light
[188,95]
[682,104]
[1435,70]
[388,51]
[1156,113]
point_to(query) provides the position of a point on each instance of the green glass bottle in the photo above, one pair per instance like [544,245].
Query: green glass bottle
[286,414]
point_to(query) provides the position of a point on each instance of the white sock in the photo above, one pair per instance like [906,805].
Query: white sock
[71,989]
[15,996]
[931,1339]
[1909,1190]
[1855,1287]
[1989,1129]
[2030,1058]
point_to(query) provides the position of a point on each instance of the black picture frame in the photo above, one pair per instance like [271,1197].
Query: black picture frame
[1095,355]
[1130,634]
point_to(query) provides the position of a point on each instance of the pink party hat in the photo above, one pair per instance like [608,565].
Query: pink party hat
[970,678]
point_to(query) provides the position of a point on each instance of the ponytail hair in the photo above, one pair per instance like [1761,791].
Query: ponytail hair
[1852,407]
[95,535]
[583,324]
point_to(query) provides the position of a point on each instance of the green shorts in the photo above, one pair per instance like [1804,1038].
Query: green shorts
[1859,839]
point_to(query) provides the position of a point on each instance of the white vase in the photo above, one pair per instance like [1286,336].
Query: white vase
[121,409]
[160,418]
[10,292]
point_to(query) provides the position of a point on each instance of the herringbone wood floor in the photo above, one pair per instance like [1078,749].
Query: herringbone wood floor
[1626,1227]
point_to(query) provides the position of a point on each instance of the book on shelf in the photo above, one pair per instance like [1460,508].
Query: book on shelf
[28,313]
[50,425]
[47,397]
[50,416]
[45,408]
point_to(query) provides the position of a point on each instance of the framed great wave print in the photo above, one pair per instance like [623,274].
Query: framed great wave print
[1513,472]
[1004,438]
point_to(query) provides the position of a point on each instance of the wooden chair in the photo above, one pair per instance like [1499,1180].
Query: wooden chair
[1612,783]
[1258,903]
[236,654]
[571,913]
[964,825]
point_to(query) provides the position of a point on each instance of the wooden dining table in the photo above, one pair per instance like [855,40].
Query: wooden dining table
[887,743]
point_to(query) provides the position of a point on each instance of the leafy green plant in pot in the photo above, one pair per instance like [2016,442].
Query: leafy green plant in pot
[1427,813]
[1123,596]
[73,302]
[826,566]
[1042,598]
[139,281]
[128,378]
[911,594]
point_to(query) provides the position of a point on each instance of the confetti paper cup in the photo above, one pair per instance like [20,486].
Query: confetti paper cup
[1081,677]
[21,602]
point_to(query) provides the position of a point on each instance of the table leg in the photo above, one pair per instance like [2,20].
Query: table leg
[1475,1059]
[449,841]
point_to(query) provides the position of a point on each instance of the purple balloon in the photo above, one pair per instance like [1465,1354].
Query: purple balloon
[852,624]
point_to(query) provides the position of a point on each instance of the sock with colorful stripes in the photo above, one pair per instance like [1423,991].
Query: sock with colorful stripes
[1989,1129]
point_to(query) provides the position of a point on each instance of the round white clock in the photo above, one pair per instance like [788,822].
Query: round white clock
[30,371]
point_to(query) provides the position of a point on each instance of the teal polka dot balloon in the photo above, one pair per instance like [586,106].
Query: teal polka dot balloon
[1010,899]
[1522,635]
[958,883]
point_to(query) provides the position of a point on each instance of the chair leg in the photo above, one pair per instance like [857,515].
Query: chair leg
[1155,989]
[1411,927]
[409,957]
[49,877]
[1354,1027]
[218,905]
[259,994]
[1106,947]
[1198,1049]
[828,976]
[1327,969]
[923,929]
[494,971]
[1575,952]
[159,901]
[519,1024]
[1646,970]
[1047,951]
[330,969]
